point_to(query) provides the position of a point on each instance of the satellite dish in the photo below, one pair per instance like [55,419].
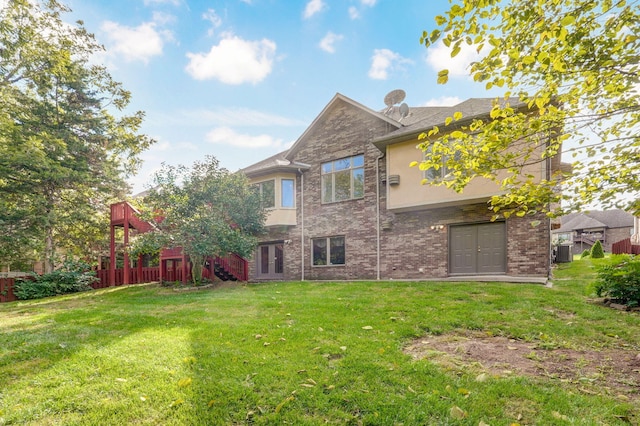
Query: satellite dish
[404,110]
[394,97]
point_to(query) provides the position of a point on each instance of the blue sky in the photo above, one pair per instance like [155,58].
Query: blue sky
[242,79]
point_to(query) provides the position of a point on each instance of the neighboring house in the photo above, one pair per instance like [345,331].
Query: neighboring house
[345,205]
[583,229]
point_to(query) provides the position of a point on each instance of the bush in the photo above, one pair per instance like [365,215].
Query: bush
[596,251]
[72,277]
[620,280]
[586,253]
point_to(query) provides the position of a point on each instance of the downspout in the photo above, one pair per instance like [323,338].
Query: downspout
[550,250]
[380,157]
[301,225]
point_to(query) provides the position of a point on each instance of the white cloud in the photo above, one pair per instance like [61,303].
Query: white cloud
[439,58]
[139,43]
[163,18]
[228,136]
[211,16]
[328,42]
[383,61]
[443,101]
[354,12]
[234,61]
[313,7]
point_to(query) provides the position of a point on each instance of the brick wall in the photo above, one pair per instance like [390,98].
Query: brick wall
[410,249]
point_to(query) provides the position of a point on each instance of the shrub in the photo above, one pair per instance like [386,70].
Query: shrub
[596,251]
[72,277]
[620,280]
[585,253]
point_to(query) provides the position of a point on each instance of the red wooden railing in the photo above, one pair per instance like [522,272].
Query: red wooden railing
[235,265]
[625,247]
[124,212]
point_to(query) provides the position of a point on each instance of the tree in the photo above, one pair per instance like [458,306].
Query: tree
[574,67]
[64,156]
[206,210]
[597,252]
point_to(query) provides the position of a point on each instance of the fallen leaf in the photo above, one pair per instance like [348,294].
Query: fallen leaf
[344,348]
[320,329]
[183,383]
[463,391]
[283,403]
[482,377]
[367,327]
[211,403]
[457,413]
[559,416]
[177,402]
[120,380]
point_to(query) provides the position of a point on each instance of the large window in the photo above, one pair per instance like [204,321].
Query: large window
[267,191]
[328,251]
[288,194]
[343,179]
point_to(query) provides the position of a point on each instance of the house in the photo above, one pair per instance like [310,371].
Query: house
[583,229]
[345,205]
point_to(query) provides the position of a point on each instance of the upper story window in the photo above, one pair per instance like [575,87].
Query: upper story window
[343,179]
[288,193]
[441,173]
[267,191]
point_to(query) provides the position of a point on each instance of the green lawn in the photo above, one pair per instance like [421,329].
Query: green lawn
[302,353]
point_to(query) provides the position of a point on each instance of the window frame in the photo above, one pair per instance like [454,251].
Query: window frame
[334,171]
[443,172]
[293,193]
[327,248]
[259,186]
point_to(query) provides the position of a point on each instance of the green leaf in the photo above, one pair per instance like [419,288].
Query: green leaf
[568,20]
[443,76]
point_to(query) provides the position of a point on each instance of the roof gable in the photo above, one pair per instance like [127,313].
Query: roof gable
[338,98]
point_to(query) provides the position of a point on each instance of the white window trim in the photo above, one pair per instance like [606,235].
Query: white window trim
[351,169]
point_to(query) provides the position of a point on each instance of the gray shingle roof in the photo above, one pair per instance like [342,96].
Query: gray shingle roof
[428,117]
[273,164]
[595,219]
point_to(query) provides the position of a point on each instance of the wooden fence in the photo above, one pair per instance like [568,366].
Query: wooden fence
[625,247]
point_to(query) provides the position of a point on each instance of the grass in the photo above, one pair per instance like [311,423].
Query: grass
[298,353]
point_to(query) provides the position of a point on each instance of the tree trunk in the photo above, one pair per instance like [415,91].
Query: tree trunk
[49,251]
[197,263]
